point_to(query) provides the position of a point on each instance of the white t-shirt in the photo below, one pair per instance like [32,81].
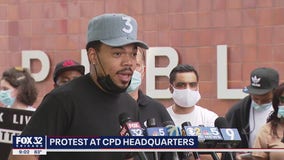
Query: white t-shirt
[30,108]
[199,116]
[257,118]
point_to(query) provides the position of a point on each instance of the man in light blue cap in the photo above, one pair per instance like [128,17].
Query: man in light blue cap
[90,105]
[114,30]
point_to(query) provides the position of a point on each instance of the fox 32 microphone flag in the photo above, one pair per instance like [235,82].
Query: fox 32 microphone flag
[40,145]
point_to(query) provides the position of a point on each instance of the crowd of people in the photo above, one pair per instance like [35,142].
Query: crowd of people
[84,104]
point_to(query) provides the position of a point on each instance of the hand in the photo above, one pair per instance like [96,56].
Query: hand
[244,156]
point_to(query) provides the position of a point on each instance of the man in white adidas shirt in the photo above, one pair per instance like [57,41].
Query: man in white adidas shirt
[250,113]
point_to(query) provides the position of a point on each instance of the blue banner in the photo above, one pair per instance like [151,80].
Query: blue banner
[154,142]
[29,142]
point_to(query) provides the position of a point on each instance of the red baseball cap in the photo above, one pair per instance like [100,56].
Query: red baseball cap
[67,65]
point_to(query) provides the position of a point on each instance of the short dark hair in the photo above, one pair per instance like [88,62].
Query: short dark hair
[21,79]
[94,44]
[182,68]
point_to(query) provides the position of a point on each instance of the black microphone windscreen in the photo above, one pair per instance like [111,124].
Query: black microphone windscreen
[221,122]
[166,123]
[123,118]
[151,122]
[185,124]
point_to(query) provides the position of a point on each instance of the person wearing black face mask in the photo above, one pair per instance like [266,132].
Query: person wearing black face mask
[91,104]
[105,81]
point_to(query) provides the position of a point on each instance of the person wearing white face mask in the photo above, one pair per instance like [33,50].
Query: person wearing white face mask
[251,112]
[184,86]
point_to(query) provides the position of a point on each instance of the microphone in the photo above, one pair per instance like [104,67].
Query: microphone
[184,127]
[230,136]
[211,137]
[130,128]
[171,128]
[189,130]
[207,136]
[153,130]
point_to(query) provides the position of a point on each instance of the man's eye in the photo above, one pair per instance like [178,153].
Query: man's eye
[180,84]
[117,54]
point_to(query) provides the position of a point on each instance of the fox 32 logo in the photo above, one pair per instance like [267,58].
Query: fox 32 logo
[28,142]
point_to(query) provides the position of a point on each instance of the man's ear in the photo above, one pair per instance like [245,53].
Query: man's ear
[92,56]
[171,88]
[143,72]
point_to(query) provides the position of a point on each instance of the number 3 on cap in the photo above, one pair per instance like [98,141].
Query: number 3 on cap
[129,27]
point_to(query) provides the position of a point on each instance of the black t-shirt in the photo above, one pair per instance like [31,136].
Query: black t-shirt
[80,108]
[150,108]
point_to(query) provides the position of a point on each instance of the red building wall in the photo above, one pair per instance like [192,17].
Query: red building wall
[253,31]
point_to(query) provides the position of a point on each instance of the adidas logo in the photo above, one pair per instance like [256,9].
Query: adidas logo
[255,81]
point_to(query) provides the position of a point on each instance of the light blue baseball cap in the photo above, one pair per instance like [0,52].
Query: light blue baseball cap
[114,29]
